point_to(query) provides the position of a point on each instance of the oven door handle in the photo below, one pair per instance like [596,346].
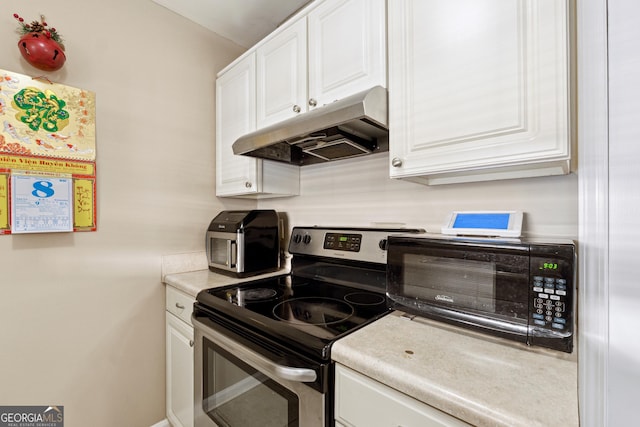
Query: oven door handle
[256,360]
[301,375]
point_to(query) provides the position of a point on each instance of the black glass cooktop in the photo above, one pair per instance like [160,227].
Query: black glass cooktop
[302,313]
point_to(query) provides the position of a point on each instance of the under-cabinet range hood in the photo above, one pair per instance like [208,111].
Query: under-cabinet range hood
[353,126]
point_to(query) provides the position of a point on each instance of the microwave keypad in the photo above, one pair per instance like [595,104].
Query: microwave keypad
[549,302]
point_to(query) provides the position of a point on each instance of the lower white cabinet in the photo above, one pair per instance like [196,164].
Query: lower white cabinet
[364,402]
[179,335]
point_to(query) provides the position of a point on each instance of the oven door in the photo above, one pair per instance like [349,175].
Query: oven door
[237,387]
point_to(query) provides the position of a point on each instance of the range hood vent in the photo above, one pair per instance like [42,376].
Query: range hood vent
[353,126]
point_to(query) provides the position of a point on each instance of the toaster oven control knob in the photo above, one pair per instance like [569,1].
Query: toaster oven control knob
[297,238]
[383,244]
[306,239]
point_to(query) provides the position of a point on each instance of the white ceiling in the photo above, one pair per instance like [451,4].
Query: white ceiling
[245,22]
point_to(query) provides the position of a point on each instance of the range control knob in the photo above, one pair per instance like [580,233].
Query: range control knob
[297,238]
[383,244]
[306,239]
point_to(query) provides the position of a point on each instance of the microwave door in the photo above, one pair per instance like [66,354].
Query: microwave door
[456,283]
[471,289]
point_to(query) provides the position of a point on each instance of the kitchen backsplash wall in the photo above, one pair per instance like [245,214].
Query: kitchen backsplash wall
[359,192]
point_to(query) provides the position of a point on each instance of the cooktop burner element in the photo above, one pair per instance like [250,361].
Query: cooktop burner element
[313,311]
[319,310]
[362,298]
[258,294]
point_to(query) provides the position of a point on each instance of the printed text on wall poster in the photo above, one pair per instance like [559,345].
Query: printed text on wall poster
[41,204]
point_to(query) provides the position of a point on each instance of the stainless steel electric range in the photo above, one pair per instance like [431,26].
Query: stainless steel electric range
[263,347]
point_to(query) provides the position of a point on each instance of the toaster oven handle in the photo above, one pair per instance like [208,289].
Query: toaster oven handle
[232,253]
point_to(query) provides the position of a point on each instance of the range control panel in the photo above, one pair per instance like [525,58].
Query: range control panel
[343,242]
[357,244]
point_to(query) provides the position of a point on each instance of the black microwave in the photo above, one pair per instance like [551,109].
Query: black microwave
[522,290]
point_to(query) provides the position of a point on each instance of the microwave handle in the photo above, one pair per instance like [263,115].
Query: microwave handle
[516,331]
[232,253]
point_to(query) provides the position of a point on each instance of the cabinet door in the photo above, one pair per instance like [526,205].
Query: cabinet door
[363,402]
[347,48]
[478,87]
[282,75]
[179,372]
[235,116]
[242,176]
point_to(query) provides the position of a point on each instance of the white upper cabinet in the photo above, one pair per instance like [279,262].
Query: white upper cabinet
[347,49]
[236,116]
[336,50]
[282,75]
[478,89]
[332,49]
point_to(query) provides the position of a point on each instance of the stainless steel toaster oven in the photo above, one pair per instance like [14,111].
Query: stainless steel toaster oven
[243,243]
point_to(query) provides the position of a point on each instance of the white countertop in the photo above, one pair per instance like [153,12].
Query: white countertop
[194,281]
[481,380]
[189,272]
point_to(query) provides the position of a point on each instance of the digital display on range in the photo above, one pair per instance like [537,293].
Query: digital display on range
[343,242]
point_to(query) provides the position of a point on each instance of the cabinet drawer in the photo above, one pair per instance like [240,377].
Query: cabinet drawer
[180,304]
[364,402]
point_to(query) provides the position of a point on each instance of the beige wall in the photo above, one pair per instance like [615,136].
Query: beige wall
[82,315]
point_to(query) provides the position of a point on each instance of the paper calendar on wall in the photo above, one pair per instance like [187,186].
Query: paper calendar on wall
[47,156]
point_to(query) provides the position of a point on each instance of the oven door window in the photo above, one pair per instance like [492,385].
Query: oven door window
[237,395]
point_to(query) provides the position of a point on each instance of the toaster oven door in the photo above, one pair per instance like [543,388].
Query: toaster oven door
[225,251]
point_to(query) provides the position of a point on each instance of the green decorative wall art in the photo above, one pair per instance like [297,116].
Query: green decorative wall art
[41,118]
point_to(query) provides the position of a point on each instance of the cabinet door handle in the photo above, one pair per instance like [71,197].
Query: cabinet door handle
[296,109]
[247,184]
[396,162]
[180,306]
[313,102]
[191,343]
